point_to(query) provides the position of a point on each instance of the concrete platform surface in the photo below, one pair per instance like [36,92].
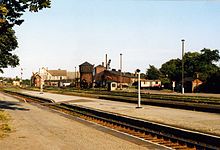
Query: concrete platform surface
[193,120]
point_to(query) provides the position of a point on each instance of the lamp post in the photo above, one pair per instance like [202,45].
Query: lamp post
[42,75]
[21,77]
[41,86]
[121,71]
[75,77]
[183,65]
[139,89]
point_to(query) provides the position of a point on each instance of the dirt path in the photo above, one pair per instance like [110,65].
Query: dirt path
[38,129]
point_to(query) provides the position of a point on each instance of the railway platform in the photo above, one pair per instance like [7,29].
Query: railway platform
[197,121]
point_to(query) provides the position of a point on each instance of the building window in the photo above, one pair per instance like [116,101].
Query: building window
[113,85]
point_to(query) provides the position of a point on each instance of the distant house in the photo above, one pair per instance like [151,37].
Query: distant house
[55,77]
[16,83]
[36,80]
[191,84]
[56,74]
[195,84]
[150,83]
[104,77]
[99,76]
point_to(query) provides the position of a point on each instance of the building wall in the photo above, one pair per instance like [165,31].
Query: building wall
[99,69]
[36,81]
[43,73]
[16,83]
[86,74]
[150,83]
[117,78]
[87,77]
[195,84]
[57,77]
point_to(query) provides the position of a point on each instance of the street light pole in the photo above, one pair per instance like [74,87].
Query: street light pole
[42,74]
[183,65]
[75,76]
[121,71]
[21,77]
[139,89]
[41,86]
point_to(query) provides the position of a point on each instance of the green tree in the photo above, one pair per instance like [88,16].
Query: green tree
[212,84]
[206,63]
[14,9]
[8,43]
[153,73]
[172,69]
[26,82]
[201,64]
[196,64]
[11,12]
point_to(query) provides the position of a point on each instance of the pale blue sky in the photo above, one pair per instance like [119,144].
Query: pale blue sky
[145,32]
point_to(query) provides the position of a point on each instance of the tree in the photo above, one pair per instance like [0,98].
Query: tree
[8,43]
[26,82]
[152,73]
[10,15]
[172,69]
[16,8]
[201,65]
[212,85]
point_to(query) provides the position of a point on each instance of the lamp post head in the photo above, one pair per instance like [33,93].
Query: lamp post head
[182,40]
[138,70]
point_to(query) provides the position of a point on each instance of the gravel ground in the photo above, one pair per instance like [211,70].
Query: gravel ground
[38,129]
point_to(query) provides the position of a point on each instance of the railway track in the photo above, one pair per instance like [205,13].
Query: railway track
[167,136]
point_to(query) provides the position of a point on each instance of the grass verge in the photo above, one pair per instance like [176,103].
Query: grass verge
[4,124]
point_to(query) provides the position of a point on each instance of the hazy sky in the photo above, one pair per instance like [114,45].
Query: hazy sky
[145,32]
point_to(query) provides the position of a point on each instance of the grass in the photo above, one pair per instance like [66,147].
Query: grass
[3,116]
[4,124]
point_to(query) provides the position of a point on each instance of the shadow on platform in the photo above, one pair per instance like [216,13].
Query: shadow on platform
[11,106]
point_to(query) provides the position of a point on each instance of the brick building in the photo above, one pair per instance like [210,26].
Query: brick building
[86,75]
[36,80]
[103,77]
[98,75]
